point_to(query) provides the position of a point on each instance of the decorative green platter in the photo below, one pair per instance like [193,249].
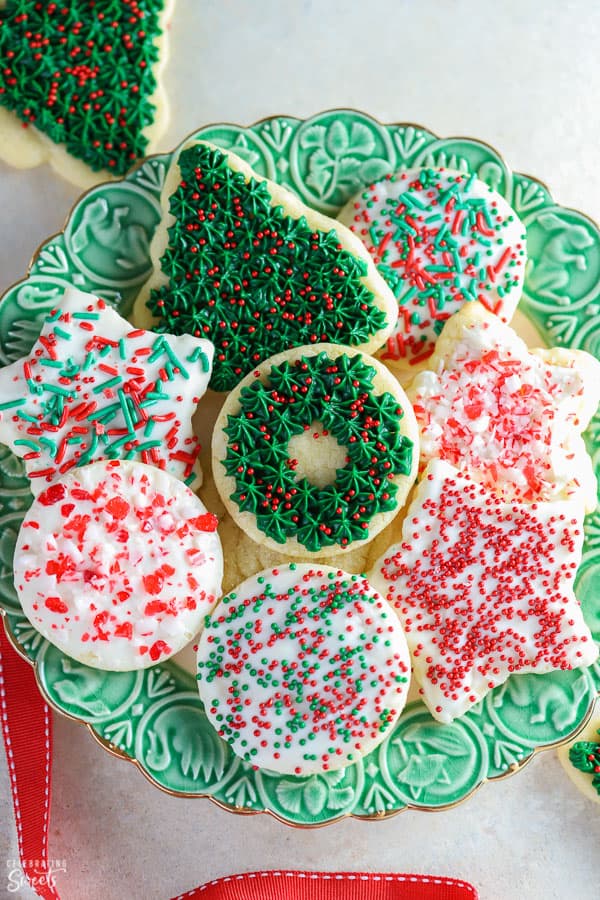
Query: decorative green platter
[154,717]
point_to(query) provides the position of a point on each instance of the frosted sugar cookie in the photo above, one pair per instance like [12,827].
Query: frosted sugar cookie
[117,564]
[581,758]
[303,669]
[241,261]
[510,417]
[484,589]
[441,239]
[79,84]
[93,387]
[315,451]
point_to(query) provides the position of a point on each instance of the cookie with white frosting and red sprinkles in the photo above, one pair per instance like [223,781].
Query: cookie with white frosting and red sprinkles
[484,589]
[80,84]
[510,417]
[93,387]
[315,451]
[241,261]
[118,564]
[303,669]
[441,239]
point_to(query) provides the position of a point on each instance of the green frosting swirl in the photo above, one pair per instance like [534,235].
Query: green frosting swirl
[82,73]
[251,278]
[585,756]
[339,393]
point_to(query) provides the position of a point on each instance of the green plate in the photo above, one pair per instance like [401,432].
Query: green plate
[155,717]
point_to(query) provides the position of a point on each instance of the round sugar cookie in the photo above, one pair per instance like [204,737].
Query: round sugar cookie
[303,669]
[440,238]
[118,564]
[315,451]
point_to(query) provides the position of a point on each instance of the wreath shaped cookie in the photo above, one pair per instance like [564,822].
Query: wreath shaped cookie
[315,451]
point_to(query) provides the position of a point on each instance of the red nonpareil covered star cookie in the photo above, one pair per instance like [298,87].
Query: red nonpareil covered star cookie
[94,388]
[509,417]
[484,589]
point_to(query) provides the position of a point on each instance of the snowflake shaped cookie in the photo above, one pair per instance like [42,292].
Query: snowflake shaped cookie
[509,417]
[484,589]
[94,388]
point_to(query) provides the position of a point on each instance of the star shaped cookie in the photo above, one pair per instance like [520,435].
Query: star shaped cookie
[94,388]
[509,417]
[484,589]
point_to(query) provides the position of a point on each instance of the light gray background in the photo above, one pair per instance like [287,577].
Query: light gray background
[523,76]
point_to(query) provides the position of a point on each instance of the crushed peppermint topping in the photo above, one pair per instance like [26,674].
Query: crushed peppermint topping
[502,414]
[117,564]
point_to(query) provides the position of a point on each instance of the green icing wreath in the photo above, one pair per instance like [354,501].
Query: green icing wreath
[251,278]
[338,393]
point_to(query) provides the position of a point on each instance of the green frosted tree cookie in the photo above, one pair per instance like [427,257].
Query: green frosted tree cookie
[83,74]
[249,267]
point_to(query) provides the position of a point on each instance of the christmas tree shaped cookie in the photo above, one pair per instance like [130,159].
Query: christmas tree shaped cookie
[78,84]
[241,261]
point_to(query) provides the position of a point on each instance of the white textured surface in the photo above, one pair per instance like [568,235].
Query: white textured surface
[522,76]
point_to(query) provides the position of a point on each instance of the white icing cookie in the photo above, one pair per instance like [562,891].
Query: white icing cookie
[93,388]
[440,238]
[303,669]
[315,451]
[484,589]
[509,417]
[118,564]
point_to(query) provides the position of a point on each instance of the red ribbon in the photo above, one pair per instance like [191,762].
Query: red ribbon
[27,729]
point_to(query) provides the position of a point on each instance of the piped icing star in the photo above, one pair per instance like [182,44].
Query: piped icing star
[441,239]
[484,589]
[509,417]
[83,75]
[95,388]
